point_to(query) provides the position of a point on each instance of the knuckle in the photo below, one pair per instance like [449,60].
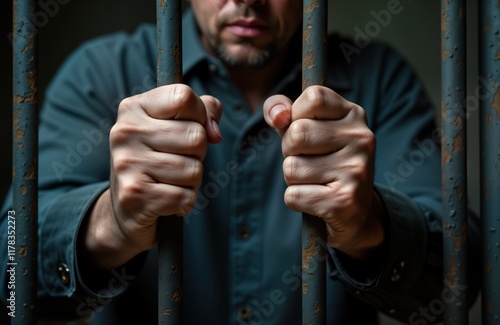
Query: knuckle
[298,133]
[315,96]
[187,200]
[122,132]
[195,173]
[130,191]
[290,169]
[126,105]
[196,137]
[123,162]
[182,95]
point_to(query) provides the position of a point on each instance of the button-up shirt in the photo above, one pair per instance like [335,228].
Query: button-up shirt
[242,245]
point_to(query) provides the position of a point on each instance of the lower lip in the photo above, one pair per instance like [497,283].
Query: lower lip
[245,31]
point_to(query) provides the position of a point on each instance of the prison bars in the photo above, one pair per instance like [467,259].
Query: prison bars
[170,259]
[25,162]
[314,256]
[454,156]
[489,62]
[453,15]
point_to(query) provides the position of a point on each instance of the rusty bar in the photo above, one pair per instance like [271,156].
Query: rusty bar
[170,259]
[314,69]
[24,216]
[489,70]
[454,155]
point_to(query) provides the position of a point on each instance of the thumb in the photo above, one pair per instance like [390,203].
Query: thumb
[213,107]
[278,113]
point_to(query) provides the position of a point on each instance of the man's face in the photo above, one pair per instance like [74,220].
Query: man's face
[246,33]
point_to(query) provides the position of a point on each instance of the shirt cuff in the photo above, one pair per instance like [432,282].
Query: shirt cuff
[62,274]
[399,264]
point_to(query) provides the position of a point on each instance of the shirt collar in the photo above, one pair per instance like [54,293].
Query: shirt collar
[337,78]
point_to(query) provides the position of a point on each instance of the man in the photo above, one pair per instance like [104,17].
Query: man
[240,178]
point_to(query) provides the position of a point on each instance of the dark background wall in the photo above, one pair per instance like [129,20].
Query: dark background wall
[415,32]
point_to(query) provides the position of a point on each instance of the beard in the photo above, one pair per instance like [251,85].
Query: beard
[253,58]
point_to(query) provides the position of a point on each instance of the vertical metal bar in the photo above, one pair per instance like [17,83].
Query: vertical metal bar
[489,61]
[314,69]
[25,162]
[169,70]
[454,154]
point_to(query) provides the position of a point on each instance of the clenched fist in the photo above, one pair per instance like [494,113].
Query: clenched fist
[329,165]
[157,147]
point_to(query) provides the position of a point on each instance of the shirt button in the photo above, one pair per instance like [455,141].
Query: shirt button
[245,233]
[245,313]
[392,311]
[396,272]
[212,68]
[238,109]
[63,273]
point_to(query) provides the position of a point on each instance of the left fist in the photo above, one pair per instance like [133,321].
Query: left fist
[329,165]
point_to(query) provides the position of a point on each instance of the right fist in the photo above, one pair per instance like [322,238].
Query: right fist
[157,147]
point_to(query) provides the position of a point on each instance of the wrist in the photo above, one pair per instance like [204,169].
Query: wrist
[371,235]
[101,242]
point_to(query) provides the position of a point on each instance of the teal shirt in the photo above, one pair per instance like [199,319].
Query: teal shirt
[242,244]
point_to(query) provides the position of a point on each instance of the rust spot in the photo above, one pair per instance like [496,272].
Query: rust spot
[461,12]
[498,54]
[165,311]
[446,157]
[487,267]
[444,53]
[490,307]
[496,101]
[23,251]
[23,189]
[31,174]
[458,123]
[309,60]
[317,308]
[177,295]
[450,275]
[458,144]
[305,288]
[309,252]
[312,5]
[486,27]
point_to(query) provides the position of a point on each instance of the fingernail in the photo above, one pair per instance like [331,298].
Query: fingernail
[280,116]
[216,128]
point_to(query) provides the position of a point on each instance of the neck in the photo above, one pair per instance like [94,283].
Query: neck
[256,83]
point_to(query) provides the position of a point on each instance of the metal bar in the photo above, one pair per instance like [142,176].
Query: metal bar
[314,66]
[454,156]
[170,259]
[25,162]
[489,70]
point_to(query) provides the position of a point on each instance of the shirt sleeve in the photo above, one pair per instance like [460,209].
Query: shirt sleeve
[405,279]
[79,110]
